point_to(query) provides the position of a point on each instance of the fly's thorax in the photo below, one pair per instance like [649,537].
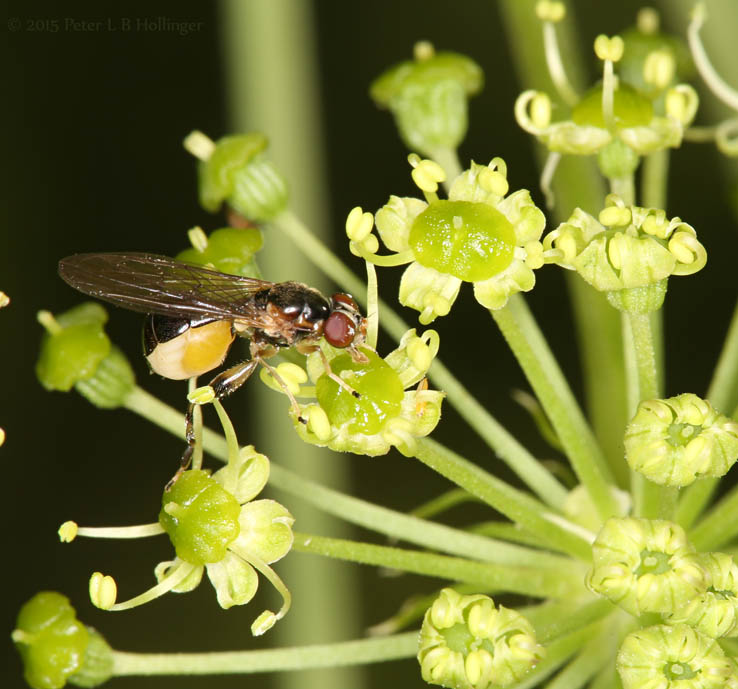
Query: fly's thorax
[179,348]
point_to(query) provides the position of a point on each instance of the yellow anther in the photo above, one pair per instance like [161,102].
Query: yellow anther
[656,225]
[550,11]
[540,110]
[615,216]
[681,247]
[359,224]
[534,255]
[370,244]
[648,20]
[607,48]
[68,531]
[419,354]
[493,181]
[103,591]
[318,422]
[2,436]
[4,299]
[681,103]
[203,395]
[614,251]
[659,68]
[423,50]
[199,145]
[427,174]
[290,371]
[198,238]
[263,623]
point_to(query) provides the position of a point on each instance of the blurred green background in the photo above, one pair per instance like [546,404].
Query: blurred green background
[93,118]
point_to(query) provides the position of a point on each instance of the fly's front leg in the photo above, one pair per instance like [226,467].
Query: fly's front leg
[286,389]
[223,385]
[333,376]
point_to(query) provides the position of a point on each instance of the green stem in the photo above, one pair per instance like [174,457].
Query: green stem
[442,503]
[651,500]
[531,581]
[448,159]
[723,395]
[624,187]
[358,652]
[587,663]
[525,465]
[517,506]
[563,624]
[719,526]
[535,358]
[380,519]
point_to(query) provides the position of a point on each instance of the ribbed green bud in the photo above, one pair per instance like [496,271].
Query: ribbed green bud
[645,565]
[51,641]
[73,346]
[200,517]
[111,383]
[237,173]
[468,643]
[677,440]
[97,666]
[715,612]
[678,657]
[229,250]
[428,97]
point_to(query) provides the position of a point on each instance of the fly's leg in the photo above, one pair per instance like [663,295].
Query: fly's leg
[223,385]
[333,376]
[285,388]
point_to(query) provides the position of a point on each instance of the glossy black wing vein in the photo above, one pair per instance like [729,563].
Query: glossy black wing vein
[156,284]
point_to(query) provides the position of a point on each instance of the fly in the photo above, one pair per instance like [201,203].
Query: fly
[194,315]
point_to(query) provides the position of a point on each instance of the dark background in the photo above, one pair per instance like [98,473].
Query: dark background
[93,124]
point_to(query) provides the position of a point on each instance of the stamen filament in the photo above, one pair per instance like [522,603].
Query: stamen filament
[176,576]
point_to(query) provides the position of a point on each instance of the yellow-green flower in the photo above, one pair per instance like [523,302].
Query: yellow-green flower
[480,234]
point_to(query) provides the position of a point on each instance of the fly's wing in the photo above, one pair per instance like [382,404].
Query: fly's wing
[157,284]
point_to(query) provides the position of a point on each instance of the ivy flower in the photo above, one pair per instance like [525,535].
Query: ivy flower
[714,613]
[215,527]
[56,647]
[645,565]
[678,657]
[628,252]
[479,235]
[677,440]
[466,642]
[385,414]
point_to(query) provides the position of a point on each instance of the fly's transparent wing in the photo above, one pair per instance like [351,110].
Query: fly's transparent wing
[156,284]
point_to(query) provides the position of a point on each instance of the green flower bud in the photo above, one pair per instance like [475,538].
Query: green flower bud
[677,440]
[468,643]
[629,253]
[50,640]
[715,612]
[73,347]
[676,657]
[200,517]
[471,241]
[111,383]
[645,565]
[428,97]
[237,173]
[229,250]
[378,384]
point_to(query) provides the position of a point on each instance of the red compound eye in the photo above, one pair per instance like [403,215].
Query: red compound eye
[339,330]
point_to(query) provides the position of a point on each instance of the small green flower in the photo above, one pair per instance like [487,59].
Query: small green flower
[645,565]
[56,648]
[628,253]
[715,612]
[678,657]
[385,414]
[677,440]
[76,352]
[229,250]
[468,643]
[477,235]
[428,97]
[235,170]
